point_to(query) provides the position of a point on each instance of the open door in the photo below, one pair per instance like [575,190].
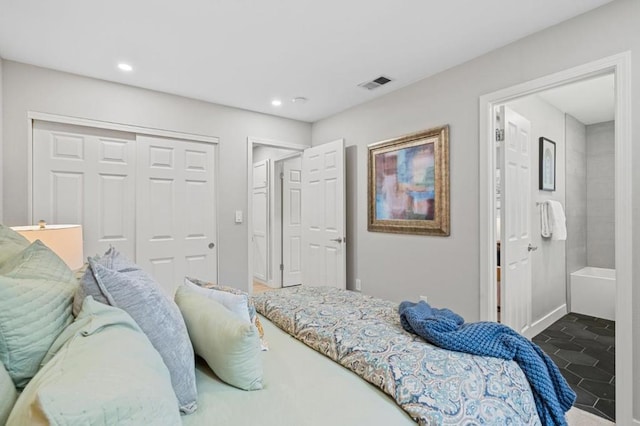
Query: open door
[292,222]
[323,216]
[515,221]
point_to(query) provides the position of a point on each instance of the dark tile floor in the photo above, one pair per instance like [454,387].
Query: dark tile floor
[583,347]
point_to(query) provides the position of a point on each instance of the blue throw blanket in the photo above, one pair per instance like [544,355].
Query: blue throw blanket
[446,329]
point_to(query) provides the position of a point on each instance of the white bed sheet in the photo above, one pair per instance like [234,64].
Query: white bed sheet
[302,388]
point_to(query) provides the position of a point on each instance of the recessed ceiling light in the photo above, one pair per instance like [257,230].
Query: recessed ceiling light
[276,102]
[125,67]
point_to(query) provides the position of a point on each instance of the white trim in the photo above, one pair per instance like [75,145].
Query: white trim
[624,242]
[288,156]
[538,326]
[251,141]
[621,65]
[30,170]
[32,115]
[636,422]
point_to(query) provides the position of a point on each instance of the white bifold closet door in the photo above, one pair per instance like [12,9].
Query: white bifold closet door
[86,176]
[152,198]
[176,223]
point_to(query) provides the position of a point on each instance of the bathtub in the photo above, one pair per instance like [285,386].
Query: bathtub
[593,292]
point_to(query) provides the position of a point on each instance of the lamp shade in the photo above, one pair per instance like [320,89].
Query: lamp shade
[63,240]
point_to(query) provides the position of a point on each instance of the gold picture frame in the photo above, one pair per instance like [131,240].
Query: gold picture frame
[408,184]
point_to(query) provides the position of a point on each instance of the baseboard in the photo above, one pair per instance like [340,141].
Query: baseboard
[538,326]
[636,422]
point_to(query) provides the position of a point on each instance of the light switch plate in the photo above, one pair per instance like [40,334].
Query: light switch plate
[238,216]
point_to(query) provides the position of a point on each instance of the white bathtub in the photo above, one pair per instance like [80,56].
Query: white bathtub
[593,292]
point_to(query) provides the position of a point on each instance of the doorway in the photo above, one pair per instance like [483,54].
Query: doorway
[568,149]
[619,66]
[267,218]
[320,186]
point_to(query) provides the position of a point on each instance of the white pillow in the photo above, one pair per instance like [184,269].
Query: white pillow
[236,303]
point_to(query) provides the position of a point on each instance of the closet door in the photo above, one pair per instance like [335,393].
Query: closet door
[176,223]
[86,176]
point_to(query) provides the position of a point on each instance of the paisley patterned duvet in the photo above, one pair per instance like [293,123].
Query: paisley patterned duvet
[434,386]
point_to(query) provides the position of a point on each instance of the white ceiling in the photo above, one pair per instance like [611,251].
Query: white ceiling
[244,53]
[590,101]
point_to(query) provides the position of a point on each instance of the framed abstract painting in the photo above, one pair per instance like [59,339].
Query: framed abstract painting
[408,184]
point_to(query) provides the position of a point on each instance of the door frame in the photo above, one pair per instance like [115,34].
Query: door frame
[620,65]
[251,142]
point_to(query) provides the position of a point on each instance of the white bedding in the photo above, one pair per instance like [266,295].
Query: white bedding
[302,388]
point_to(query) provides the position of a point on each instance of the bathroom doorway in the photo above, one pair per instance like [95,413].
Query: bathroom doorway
[569,169]
[618,67]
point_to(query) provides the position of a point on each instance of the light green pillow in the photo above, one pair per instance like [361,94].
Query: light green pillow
[228,344]
[11,243]
[8,394]
[36,292]
[101,370]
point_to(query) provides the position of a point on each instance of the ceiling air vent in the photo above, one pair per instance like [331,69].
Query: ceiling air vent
[375,83]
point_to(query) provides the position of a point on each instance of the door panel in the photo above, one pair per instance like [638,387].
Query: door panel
[516,222]
[86,176]
[176,232]
[260,243]
[292,222]
[323,216]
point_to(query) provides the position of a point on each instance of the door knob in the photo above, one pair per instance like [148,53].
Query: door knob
[337,240]
[211,245]
[532,247]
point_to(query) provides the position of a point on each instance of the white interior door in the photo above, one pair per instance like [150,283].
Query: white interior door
[86,176]
[323,216]
[176,222]
[516,221]
[260,232]
[292,222]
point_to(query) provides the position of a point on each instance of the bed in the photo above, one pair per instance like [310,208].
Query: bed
[301,387]
[343,337]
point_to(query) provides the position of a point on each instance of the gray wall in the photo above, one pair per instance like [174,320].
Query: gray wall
[1,139]
[447,269]
[30,88]
[548,265]
[576,195]
[600,195]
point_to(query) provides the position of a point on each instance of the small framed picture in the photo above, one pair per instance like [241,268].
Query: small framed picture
[547,171]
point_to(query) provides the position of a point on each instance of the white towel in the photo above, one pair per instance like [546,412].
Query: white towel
[545,227]
[557,220]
